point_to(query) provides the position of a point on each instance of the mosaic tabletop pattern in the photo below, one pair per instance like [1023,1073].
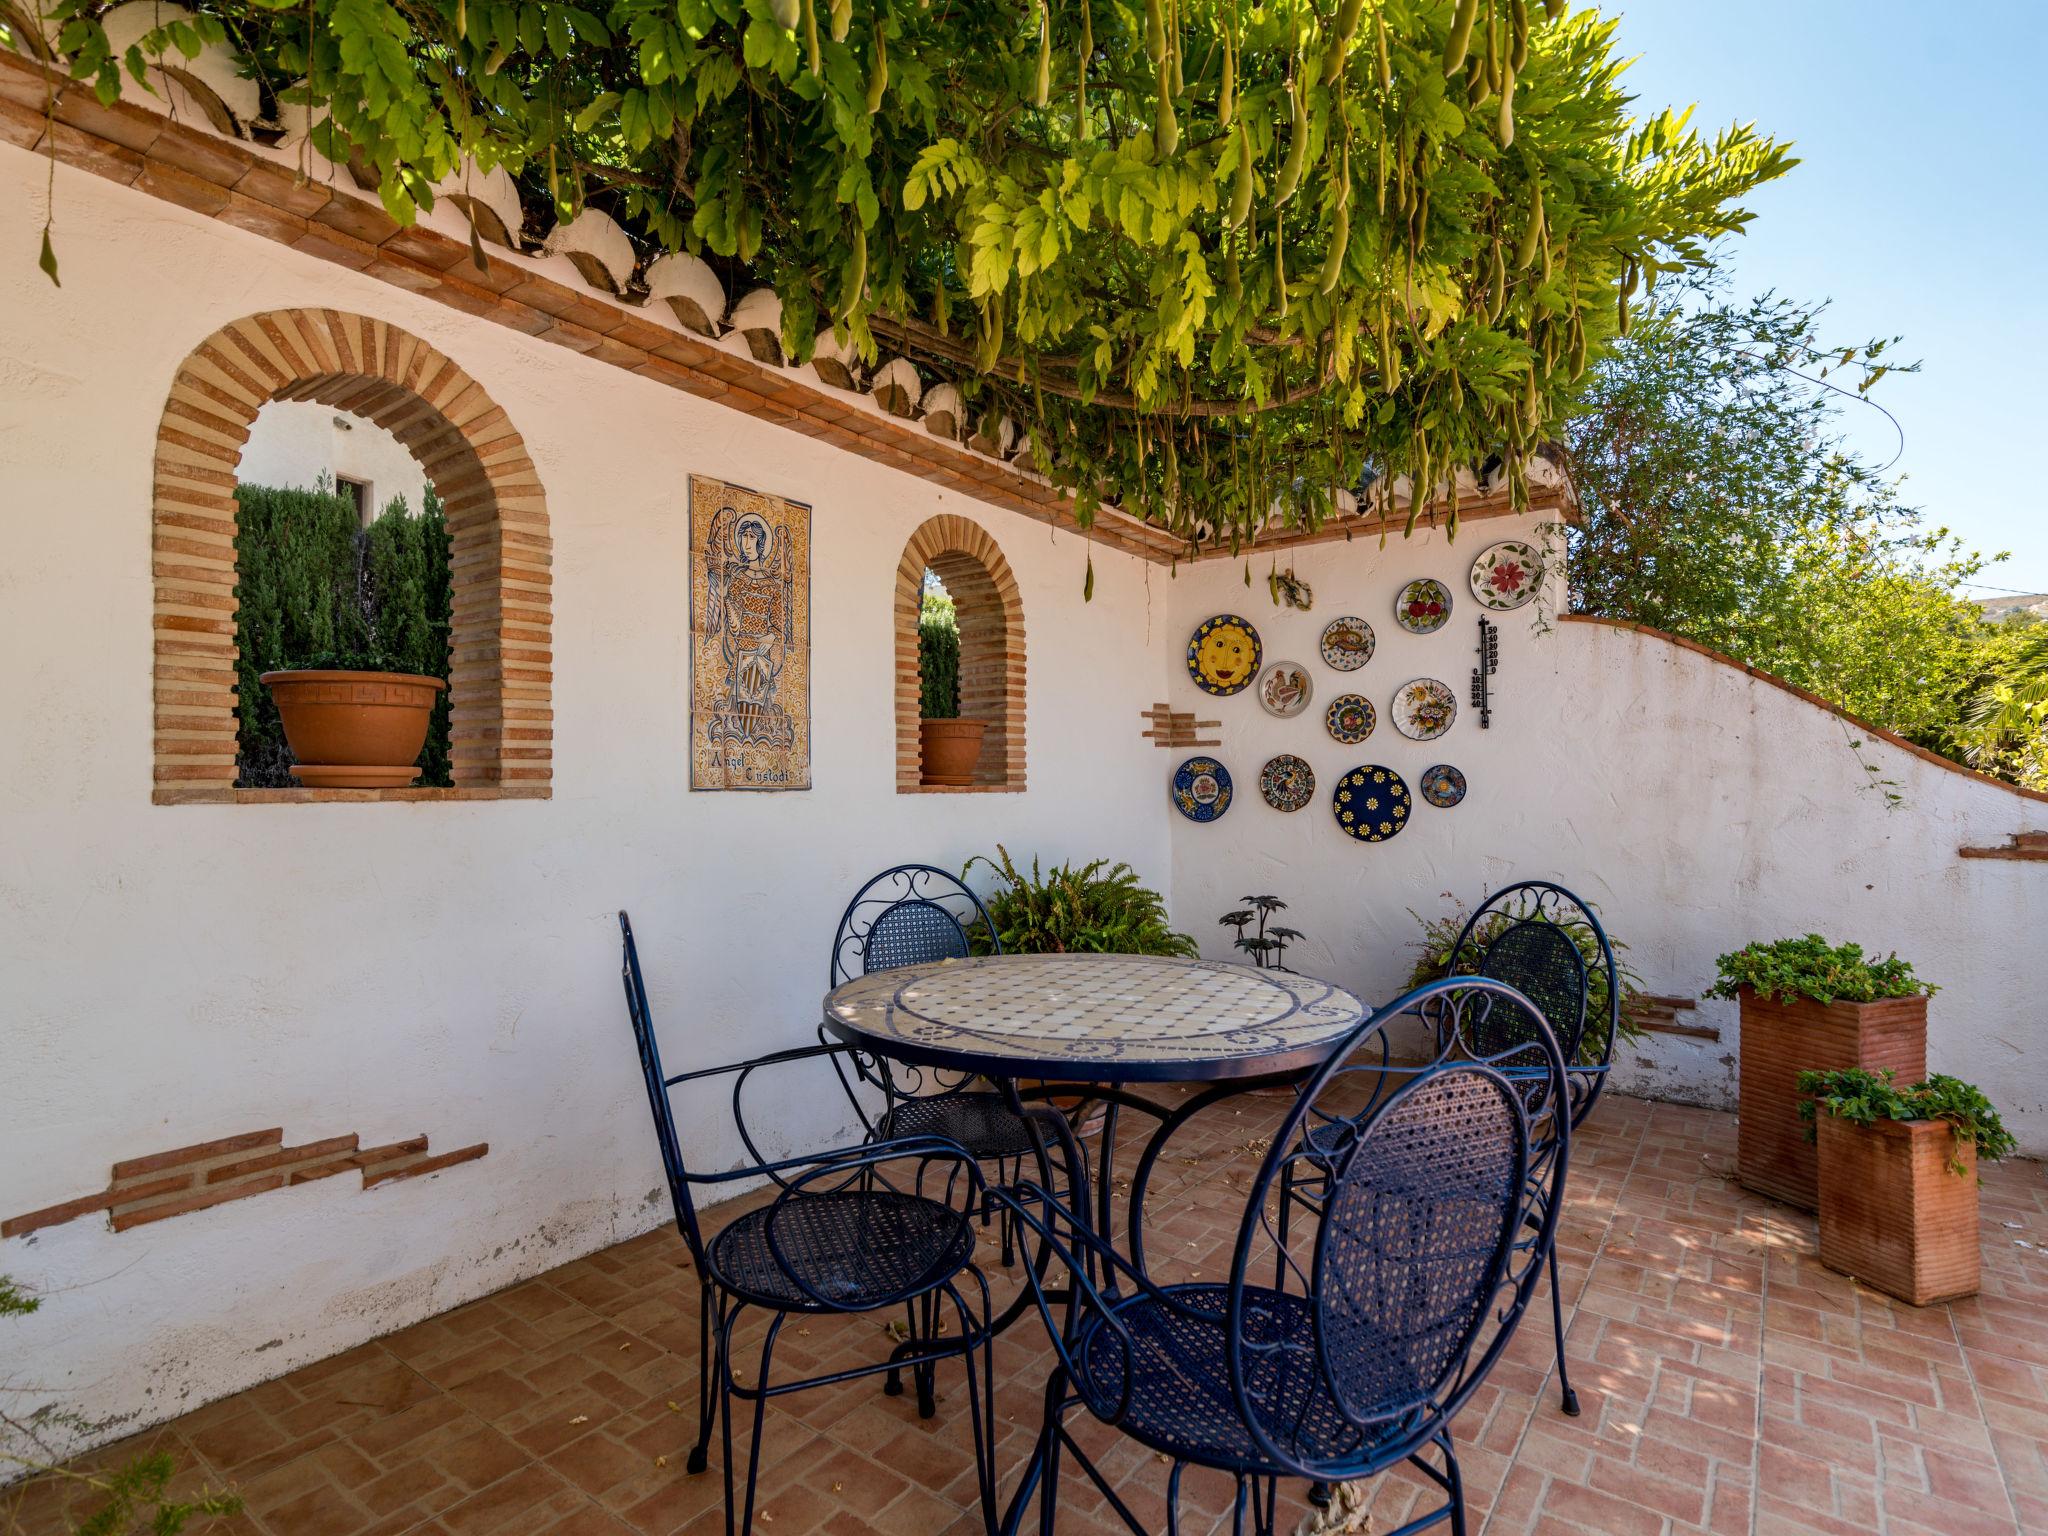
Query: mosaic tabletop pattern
[1100,1018]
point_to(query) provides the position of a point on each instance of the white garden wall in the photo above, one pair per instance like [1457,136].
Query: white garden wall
[178,973]
[1696,806]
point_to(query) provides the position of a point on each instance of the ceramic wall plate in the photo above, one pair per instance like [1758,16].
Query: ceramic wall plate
[1424,606]
[1442,786]
[1201,789]
[1371,803]
[1347,643]
[1285,689]
[1350,718]
[1424,709]
[1223,654]
[1287,782]
[1506,575]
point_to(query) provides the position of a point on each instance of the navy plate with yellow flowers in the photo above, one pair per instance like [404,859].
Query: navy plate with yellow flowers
[1371,803]
[1223,654]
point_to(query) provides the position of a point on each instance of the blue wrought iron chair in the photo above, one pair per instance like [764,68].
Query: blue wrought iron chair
[1534,935]
[915,914]
[1386,1312]
[840,1236]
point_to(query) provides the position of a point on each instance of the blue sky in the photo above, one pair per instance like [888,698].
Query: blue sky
[1920,207]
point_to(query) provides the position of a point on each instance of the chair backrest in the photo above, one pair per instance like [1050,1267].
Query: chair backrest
[1548,944]
[658,1096]
[910,915]
[1435,1215]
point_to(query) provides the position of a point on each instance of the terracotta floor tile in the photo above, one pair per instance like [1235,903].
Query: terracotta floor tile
[1731,1386]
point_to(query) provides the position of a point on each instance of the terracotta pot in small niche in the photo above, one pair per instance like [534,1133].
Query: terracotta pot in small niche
[355,730]
[951,749]
[1780,1039]
[1894,1214]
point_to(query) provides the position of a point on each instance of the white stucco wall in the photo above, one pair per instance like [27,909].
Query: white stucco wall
[1696,807]
[294,441]
[174,974]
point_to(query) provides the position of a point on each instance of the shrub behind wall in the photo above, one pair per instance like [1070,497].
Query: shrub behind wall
[319,590]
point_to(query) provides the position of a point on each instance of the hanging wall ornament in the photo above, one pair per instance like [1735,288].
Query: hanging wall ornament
[1347,643]
[1506,575]
[1223,654]
[1371,803]
[1285,689]
[1424,709]
[1424,606]
[1482,675]
[1287,782]
[1350,718]
[1201,789]
[1442,786]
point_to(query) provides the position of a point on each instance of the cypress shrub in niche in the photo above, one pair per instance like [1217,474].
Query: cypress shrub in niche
[319,590]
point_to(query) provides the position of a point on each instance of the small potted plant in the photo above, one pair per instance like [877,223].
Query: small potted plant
[1809,1005]
[949,747]
[1898,1179]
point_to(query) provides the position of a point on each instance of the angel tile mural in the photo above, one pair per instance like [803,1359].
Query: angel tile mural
[750,639]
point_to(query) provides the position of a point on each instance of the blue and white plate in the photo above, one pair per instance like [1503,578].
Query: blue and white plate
[1201,789]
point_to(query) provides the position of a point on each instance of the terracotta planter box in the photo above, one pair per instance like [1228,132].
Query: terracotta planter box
[1781,1040]
[1892,1213]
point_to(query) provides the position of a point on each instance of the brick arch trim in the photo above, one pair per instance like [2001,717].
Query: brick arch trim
[501,655]
[991,614]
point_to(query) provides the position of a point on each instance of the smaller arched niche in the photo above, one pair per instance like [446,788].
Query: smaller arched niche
[990,615]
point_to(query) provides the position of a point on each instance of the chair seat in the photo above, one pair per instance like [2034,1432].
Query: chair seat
[856,1248]
[1180,1396]
[983,1123]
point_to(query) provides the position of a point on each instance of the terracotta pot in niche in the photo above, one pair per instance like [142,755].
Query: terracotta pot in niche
[355,730]
[950,749]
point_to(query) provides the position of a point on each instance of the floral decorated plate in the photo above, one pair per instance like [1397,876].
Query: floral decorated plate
[1506,575]
[1442,786]
[1350,718]
[1347,643]
[1371,803]
[1285,689]
[1424,709]
[1287,782]
[1201,789]
[1223,654]
[1424,606]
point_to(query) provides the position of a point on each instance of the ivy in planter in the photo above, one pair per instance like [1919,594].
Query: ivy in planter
[1097,908]
[319,590]
[1811,967]
[1863,1098]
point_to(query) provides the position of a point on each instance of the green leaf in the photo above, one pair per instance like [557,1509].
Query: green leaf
[48,259]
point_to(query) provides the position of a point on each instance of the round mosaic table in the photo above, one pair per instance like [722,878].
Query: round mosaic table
[1096,1018]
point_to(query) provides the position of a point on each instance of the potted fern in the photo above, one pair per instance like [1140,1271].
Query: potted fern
[1898,1179]
[1095,908]
[949,747]
[1807,1005]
